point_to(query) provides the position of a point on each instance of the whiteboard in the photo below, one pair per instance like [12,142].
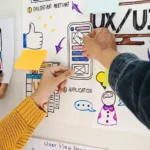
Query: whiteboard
[39,144]
[61,24]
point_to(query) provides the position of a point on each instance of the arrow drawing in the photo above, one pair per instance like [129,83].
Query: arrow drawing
[148,54]
[76,7]
[58,47]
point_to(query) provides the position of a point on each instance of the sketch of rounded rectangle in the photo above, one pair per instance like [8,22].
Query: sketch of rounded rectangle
[37,1]
[44,65]
[48,64]
[82,72]
[74,58]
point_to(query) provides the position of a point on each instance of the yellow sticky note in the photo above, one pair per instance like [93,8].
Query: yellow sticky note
[106,82]
[31,59]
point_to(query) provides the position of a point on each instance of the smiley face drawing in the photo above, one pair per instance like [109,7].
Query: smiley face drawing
[107,115]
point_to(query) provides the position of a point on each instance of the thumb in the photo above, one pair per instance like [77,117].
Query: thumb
[31,28]
[64,76]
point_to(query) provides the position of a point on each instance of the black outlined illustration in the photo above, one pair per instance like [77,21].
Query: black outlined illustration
[127,39]
[101,78]
[33,34]
[37,1]
[82,65]
[134,2]
[107,115]
[33,81]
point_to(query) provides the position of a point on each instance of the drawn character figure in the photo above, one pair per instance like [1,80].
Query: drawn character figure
[107,115]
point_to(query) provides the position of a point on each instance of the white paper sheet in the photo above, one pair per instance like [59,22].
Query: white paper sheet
[39,144]
[82,104]
[7,28]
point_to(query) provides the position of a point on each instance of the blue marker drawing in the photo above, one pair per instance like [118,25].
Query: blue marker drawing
[84,105]
[77,53]
[121,103]
[80,59]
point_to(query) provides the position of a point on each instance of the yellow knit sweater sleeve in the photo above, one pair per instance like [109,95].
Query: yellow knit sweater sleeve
[18,126]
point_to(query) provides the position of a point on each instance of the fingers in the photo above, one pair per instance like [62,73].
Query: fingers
[56,69]
[64,76]
[1,77]
[85,54]
[61,87]
[94,32]
[86,38]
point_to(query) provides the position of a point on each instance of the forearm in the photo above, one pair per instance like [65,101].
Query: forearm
[18,126]
[129,77]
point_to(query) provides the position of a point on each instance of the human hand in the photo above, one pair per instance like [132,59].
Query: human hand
[3,87]
[32,34]
[100,44]
[53,78]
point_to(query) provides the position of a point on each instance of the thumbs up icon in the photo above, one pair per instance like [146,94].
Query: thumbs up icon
[33,40]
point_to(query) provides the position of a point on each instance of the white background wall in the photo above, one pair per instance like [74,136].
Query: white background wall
[60,132]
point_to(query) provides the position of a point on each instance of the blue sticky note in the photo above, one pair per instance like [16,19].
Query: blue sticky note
[101,6]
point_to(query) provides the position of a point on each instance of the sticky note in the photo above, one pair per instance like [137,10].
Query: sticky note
[101,6]
[31,59]
[106,82]
[78,37]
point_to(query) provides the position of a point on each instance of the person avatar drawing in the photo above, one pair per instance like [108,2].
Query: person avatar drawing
[107,115]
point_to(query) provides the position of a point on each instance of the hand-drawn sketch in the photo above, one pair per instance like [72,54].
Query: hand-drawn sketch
[121,103]
[58,47]
[65,90]
[33,81]
[84,105]
[32,34]
[29,10]
[127,39]
[107,20]
[134,2]
[107,115]
[78,37]
[82,65]
[76,8]
[36,1]
[100,77]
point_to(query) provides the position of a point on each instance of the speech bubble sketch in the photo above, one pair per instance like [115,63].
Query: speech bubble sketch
[84,105]
[33,35]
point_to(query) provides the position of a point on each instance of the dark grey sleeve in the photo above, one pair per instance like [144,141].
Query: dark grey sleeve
[129,77]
